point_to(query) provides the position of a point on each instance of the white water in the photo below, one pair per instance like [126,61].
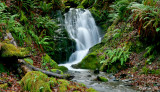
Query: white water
[82,28]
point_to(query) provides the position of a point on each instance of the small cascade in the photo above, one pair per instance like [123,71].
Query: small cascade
[81,27]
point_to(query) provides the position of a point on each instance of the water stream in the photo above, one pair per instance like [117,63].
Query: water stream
[82,28]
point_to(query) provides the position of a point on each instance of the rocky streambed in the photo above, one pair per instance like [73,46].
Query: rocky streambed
[89,78]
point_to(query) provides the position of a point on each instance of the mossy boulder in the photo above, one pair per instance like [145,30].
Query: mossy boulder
[9,50]
[101,78]
[91,90]
[63,85]
[89,62]
[35,82]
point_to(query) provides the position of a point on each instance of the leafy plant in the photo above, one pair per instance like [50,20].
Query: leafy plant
[145,18]
[114,56]
[45,7]
[120,11]
[16,29]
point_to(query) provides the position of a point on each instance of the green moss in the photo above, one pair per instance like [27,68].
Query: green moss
[46,59]
[91,90]
[53,81]
[103,79]
[80,7]
[63,85]
[145,70]
[84,2]
[35,81]
[94,48]
[38,82]
[56,71]
[3,86]
[29,60]
[63,68]
[9,50]
[157,72]
[89,62]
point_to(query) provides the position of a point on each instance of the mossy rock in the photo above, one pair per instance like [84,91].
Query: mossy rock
[56,71]
[35,81]
[90,62]
[101,78]
[3,86]
[91,90]
[9,50]
[63,68]
[96,47]
[80,7]
[63,85]
[53,81]
[47,59]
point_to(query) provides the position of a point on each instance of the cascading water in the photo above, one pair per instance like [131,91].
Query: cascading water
[82,28]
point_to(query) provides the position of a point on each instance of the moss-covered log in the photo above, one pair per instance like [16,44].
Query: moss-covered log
[27,67]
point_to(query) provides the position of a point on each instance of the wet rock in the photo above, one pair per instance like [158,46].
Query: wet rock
[75,66]
[89,76]
[116,80]
[127,80]
[96,71]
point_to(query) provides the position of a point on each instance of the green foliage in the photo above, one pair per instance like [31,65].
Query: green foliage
[45,23]
[26,5]
[120,11]
[45,7]
[145,70]
[101,17]
[116,55]
[16,29]
[23,18]
[147,17]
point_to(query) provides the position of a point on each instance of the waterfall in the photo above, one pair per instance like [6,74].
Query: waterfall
[81,27]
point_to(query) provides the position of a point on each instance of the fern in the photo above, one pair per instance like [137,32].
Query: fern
[45,7]
[117,55]
[147,17]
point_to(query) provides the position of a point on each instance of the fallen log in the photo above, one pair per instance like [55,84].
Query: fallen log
[27,67]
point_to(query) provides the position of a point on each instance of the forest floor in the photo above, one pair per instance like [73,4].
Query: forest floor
[141,74]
